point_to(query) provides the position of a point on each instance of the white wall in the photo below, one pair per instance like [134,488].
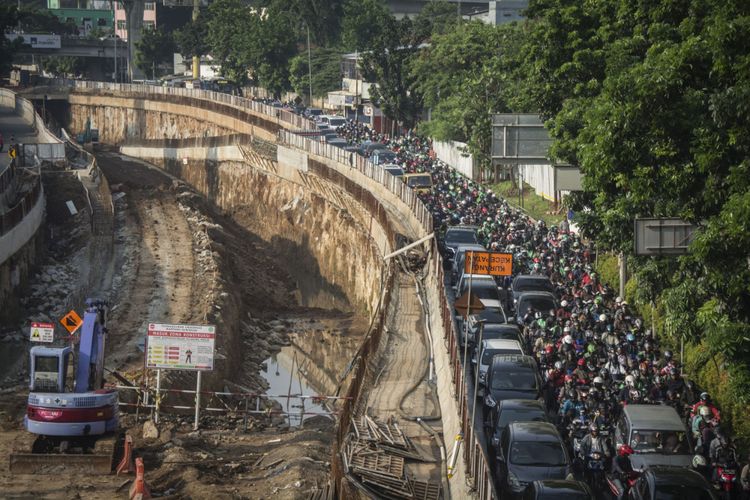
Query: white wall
[451,153]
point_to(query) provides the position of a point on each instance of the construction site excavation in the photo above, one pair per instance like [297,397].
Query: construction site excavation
[215,312]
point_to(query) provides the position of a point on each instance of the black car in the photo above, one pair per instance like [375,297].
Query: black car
[529,451]
[456,236]
[516,410]
[671,483]
[539,301]
[558,489]
[494,326]
[530,283]
[512,377]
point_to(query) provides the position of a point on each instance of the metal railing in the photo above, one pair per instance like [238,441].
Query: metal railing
[21,208]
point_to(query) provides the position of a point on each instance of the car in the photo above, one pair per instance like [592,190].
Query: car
[515,410]
[382,156]
[511,376]
[330,136]
[529,451]
[393,169]
[484,288]
[539,301]
[558,489]
[657,435]
[366,148]
[332,121]
[419,182]
[339,142]
[487,349]
[530,283]
[313,113]
[671,483]
[455,236]
[493,324]
[458,263]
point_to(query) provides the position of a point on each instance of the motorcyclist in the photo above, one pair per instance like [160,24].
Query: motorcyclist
[593,442]
[705,402]
[721,451]
[621,470]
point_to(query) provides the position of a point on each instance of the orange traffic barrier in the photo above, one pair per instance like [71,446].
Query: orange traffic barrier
[126,465]
[139,489]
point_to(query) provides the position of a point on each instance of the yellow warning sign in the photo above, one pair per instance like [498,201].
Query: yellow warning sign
[71,321]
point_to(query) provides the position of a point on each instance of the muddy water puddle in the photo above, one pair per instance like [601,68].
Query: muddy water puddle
[322,344]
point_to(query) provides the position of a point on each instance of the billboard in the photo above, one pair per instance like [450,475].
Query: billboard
[519,139]
[662,236]
[37,41]
[180,347]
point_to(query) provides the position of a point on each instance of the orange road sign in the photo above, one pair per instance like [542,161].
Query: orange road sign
[71,321]
[462,305]
[492,263]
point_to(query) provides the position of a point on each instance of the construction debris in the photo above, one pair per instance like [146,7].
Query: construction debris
[375,455]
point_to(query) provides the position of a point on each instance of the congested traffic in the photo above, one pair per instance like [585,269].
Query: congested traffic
[575,394]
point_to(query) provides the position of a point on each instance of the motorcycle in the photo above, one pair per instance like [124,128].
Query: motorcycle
[594,471]
[619,486]
[726,479]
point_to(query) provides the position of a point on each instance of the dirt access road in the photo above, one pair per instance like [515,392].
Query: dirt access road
[177,260]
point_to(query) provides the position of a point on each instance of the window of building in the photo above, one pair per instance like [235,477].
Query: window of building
[121,25]
[101,21]
[149,25]
[149,6]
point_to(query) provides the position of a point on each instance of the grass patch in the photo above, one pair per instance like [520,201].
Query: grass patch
[536,206]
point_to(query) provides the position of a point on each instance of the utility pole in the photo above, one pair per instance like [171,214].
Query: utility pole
[114,36]
[197,58]
[309,64]
[356,86]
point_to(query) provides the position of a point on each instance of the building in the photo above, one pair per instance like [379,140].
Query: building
[149,18]
[87,15]
[492,12]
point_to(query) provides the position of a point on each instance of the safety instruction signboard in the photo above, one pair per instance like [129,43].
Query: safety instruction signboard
[42,332]
[71,321]
[493,263]
[180,347]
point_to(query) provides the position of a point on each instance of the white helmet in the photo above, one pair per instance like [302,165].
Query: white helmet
[699,461]
[602,318]
[568,339]
[566,329]
[630,380]
[558,365]
[598,380]
[564,303]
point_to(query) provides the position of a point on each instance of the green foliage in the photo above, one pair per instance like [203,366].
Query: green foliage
[153,49]
[8,19]
[323,17]
[326,72]
[465,74]
[650,100]
[608,268]
[246,43]
[363,21]
[65,67]
[192,39]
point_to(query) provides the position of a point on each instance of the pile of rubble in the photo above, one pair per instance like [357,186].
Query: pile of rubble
[374,457]
[50,289]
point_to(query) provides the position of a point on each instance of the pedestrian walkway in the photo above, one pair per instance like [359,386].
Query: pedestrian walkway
[13,126]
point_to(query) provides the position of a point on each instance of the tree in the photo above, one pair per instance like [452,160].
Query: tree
[246,41]
[8,48]
[153,49]
[386,62]
[465,75]
[363,21]
[192,38]
[322,17]
[65,67]
[326,72]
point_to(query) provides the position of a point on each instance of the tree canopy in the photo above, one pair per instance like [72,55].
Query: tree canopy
[154,49]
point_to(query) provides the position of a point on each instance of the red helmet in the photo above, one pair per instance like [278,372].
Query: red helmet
[581,362]
[625,450]
[549,349]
